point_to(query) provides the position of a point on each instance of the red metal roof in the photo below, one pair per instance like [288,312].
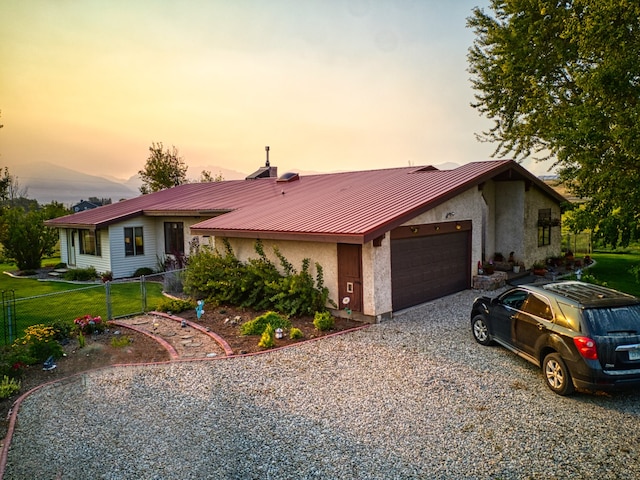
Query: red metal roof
[350,207]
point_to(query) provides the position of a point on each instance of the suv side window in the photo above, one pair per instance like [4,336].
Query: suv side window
[514,299]
[535,305]
[569,318]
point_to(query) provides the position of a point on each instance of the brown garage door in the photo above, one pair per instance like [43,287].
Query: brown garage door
[429,266]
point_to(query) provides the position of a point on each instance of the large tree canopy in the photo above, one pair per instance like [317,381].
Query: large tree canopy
[164,169]
[561,79]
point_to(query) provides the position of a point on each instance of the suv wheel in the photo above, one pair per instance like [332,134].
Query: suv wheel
[557,375]
[480,330]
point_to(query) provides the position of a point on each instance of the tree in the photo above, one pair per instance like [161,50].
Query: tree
[25,238]
[206,176]
[561,79]
[164,169]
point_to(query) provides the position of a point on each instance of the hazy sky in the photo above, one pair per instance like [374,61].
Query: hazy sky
[328,85]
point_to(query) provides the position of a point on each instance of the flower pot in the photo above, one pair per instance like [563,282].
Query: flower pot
[516,269]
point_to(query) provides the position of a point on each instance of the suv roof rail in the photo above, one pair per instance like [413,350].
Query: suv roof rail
[591,295]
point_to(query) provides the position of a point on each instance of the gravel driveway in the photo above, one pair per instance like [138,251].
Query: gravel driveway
[414,397]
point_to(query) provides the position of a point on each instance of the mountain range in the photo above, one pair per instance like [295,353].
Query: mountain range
[47,182]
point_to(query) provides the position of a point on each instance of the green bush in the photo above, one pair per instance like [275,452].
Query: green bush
[267,339]
[60,265]
[120,342]
[175,305]
[9,386]
[63,328]
[258,325]
[225,280]
[295,334]
[323,321]
[143,271]
[81,274]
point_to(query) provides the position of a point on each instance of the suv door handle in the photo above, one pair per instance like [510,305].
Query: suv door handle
[540,326]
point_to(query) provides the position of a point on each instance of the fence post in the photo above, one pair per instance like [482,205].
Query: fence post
[9,314]
[143,293]
[107,297]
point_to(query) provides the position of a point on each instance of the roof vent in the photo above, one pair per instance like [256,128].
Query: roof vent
[288,177]
[264,172]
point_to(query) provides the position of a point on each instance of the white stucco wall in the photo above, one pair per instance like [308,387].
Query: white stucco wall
[376,278]
[511,229]
[537,200]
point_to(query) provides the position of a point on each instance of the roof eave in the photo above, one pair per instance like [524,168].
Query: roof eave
[321,237]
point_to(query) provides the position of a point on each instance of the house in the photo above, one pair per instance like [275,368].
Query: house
[84,205]
[386,239]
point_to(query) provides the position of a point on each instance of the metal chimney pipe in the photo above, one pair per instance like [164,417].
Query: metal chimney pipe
[267,150]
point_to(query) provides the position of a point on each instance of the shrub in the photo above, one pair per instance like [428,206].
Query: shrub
[175,305]
[323,321]
[295,333]
[258,325]
[39,343]
[60,265]
[267,339]
[225,280]
[81,274]
[143,271]
[62,328]
[9,386]
[119,342]
[215,277]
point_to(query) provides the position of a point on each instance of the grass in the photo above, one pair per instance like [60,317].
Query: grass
[613,268]
[47,302]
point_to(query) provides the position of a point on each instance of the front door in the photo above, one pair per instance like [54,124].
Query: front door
[350,276]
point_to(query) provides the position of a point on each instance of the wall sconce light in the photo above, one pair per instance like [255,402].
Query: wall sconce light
[414,229]
[450,215]
[458,226]
[437,227]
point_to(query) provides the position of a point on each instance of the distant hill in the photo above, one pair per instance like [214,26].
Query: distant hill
[47,182]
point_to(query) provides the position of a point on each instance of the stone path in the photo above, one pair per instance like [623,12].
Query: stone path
[181,338]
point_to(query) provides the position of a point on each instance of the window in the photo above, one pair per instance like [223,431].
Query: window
[174,238]
[537,306]
[90,242]
[544,227]
[133,241]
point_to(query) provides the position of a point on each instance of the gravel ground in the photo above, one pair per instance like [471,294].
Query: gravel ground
[414,397]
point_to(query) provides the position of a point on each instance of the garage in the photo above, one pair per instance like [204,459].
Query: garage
[429,261]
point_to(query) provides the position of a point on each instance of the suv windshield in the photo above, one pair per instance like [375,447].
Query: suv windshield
[613,320]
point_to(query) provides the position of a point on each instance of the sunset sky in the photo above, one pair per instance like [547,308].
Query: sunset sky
[328,85]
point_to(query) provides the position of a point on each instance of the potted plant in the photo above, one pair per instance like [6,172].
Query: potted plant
[488,268]
[539,269]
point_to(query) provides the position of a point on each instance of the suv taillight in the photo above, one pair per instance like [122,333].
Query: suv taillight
[586,347]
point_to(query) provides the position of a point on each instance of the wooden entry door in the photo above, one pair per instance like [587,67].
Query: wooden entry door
[350,276]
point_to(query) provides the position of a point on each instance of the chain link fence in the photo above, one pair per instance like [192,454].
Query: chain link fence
[116,299]
[578,243]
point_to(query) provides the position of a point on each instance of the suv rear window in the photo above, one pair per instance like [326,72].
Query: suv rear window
[609,321]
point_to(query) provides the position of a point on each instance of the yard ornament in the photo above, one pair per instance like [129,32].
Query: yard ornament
[199,308]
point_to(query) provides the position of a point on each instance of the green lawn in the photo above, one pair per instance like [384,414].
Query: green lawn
[613,268]
[46,302]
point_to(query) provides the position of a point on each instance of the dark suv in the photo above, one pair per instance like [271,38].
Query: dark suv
[581,335]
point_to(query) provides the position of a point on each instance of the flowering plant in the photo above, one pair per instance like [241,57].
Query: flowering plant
[39,342]
[89,324]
